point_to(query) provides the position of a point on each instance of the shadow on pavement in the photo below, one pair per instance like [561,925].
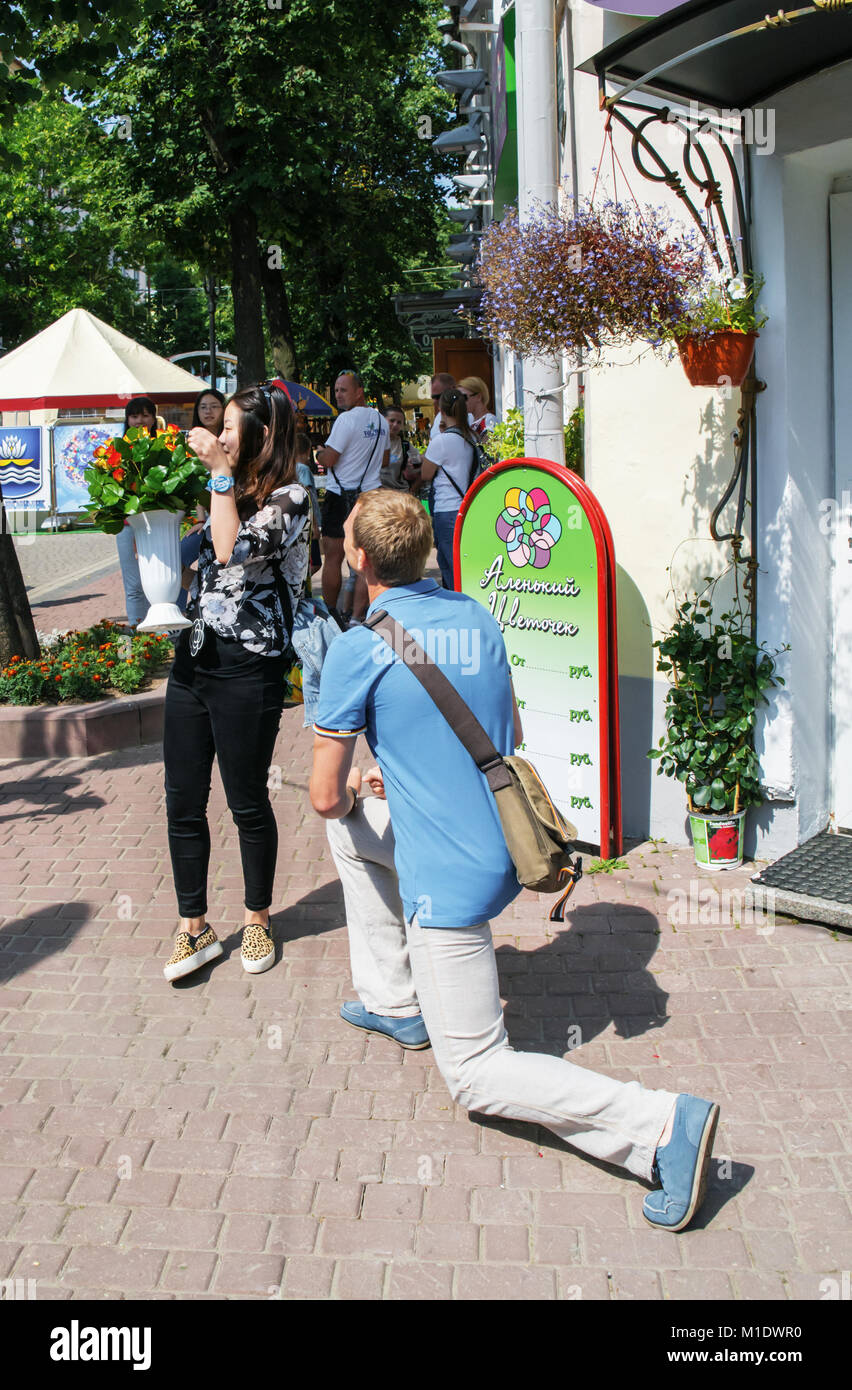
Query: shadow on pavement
[42,929]
[592,974]
[46,795]
[62,601]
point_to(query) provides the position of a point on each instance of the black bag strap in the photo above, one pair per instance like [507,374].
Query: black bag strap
[458,715]
[448,476]
[369,460]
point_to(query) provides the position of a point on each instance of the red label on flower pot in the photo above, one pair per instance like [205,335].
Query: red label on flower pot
[724,841]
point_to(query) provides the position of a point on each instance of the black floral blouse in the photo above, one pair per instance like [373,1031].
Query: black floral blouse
[240,599]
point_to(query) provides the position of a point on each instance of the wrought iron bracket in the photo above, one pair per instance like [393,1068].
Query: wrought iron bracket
[726,232]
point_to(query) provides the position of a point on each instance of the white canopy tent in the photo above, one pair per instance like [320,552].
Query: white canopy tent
[81,362]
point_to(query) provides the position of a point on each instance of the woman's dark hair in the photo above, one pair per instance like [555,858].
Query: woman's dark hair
[136,407]
[265,462]
[454,403]
[208,391]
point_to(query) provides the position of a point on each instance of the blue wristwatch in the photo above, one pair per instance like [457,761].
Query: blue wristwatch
[221,482]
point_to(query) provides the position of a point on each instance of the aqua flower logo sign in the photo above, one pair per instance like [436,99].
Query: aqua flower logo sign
[528,528]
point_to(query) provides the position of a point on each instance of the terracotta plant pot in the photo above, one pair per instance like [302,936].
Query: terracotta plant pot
[723,359]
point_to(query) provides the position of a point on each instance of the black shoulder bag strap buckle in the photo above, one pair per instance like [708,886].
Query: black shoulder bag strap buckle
[440,469]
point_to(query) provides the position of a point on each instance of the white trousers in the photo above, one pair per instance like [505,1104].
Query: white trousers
[450,976]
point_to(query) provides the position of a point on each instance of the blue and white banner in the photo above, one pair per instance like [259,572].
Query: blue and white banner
[24,468]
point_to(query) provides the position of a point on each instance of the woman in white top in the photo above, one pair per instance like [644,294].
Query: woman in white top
[449,460]
[479,416]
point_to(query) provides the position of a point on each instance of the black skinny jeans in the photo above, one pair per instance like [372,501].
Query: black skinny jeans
[227,703]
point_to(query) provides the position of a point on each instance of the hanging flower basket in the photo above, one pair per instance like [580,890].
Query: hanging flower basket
[585,281]
[717,359]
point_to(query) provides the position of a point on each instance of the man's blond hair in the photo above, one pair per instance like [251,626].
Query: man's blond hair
[394,531]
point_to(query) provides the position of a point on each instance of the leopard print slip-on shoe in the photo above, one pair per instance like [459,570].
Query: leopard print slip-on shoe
[191,952]
[258,951]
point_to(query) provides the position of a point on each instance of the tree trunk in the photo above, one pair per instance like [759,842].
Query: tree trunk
[279,322]
[17,629]
[248,308]
[211,290]
[337,329]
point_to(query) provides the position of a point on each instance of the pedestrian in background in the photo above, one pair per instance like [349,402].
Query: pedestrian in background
[480,418]
[449,459]
[139,413]
[441,381]
[353,457]
[208,414]
[305,476]
[394,475]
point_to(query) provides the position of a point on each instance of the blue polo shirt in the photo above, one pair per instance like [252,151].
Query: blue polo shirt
[451,858]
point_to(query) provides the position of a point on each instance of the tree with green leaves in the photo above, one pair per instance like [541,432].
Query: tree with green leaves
[56,244]
[240,141]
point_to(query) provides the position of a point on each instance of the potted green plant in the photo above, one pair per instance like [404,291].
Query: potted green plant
[149,481]
[716,334]
[506,439]
[719,677]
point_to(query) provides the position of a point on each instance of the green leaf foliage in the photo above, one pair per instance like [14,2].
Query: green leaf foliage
[720,678]
[305,114]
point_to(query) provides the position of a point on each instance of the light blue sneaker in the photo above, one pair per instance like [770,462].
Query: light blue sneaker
[408,1032]
[681,1165]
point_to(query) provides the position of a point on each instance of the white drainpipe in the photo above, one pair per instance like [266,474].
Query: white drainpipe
[535,59]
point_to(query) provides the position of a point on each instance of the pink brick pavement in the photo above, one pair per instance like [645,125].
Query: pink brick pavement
[85,604]
[231,1137]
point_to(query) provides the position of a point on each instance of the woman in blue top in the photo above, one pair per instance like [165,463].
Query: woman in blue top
[226,688]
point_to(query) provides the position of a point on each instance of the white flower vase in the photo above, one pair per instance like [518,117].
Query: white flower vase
[158,547]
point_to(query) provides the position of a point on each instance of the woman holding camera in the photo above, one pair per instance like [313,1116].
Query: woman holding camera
[226,689]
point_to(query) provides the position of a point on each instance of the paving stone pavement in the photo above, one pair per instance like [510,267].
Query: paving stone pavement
[230,1137]
[50,559]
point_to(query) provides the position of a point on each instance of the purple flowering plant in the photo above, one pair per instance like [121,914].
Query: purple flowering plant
[587,280]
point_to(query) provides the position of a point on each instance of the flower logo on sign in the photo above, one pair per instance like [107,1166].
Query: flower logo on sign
[528,528]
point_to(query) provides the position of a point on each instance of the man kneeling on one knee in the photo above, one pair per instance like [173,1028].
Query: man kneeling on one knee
[424,865]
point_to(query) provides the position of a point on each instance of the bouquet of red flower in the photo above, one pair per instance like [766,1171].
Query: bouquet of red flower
[140,472]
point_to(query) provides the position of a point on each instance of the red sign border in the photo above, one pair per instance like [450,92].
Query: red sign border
[610,759]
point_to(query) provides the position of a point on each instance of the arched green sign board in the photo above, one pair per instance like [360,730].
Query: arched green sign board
[532,545]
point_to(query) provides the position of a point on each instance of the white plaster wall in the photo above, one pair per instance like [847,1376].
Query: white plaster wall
[658,455]
[813,125]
